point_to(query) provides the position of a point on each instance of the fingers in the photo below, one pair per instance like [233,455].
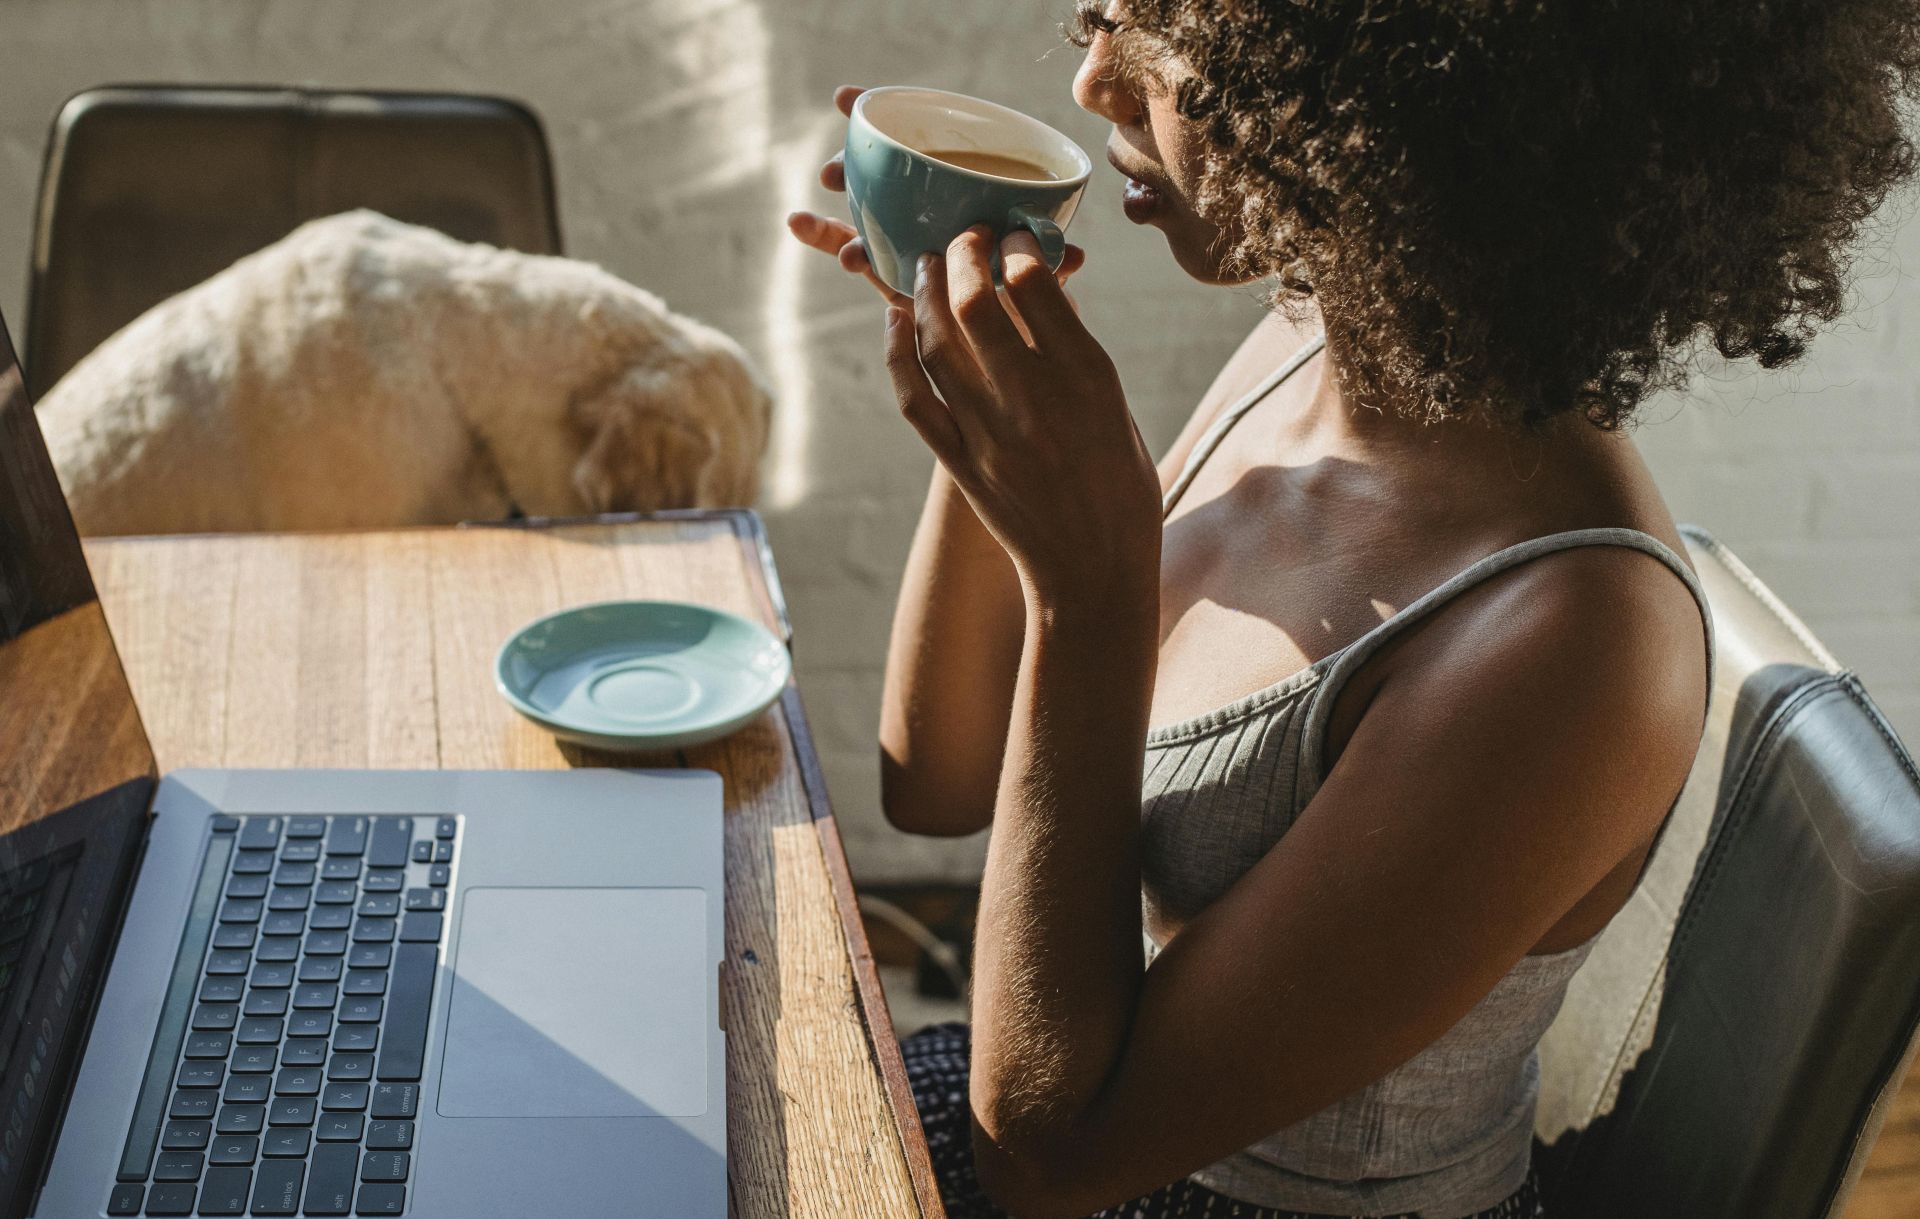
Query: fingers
[838,238]
[833,175]
[918,402]
[853,258]
[842,240]
[944,350]
[1070,264]
[1037,294]
[975,304]
[822,233]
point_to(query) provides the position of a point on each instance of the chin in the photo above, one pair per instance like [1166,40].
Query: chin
[1200,250]
[1204,263]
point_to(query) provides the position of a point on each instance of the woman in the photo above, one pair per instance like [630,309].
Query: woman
[1380,687]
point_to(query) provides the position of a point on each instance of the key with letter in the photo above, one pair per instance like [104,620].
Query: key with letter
[330,1183]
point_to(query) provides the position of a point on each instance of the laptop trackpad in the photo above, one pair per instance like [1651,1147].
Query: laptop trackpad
[578,1003]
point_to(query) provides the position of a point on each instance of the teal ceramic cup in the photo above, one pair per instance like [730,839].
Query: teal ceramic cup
[905,203]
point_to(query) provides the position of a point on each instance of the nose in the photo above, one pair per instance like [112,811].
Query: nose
[1101,88]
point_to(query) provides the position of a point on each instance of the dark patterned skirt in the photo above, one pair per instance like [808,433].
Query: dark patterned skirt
[937,1060]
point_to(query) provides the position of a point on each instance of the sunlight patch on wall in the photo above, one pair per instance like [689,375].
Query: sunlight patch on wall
[721,102]
[794,165]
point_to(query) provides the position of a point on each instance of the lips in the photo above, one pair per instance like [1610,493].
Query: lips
[1141,198]
[1140,201]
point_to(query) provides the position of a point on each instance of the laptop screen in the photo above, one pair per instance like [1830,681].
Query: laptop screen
[76,777]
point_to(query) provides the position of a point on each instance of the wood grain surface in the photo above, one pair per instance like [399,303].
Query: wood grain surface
[1890,1186]
[375,649]
[59,687]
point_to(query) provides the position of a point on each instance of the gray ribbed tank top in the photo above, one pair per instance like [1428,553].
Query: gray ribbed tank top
[1449,1133]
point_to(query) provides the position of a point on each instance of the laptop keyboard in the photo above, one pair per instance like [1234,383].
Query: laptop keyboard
[285,1074]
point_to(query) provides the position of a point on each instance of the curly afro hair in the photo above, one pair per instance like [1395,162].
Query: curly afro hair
[1513,209]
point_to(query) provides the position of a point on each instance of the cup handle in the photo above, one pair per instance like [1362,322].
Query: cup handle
[1053,242]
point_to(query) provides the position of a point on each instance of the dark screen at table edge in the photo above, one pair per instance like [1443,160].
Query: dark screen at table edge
[68,846]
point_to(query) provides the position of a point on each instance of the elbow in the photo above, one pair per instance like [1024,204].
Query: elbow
[1028,1183]
[897,803]
[925,817]
[1037,1161]
[916,806]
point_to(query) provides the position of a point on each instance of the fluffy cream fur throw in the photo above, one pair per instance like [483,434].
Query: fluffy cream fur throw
[364,372]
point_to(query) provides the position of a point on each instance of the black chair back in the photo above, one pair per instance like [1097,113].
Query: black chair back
[147,190]
[1731,1048]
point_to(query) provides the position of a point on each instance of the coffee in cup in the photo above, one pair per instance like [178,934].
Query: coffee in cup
[997,164]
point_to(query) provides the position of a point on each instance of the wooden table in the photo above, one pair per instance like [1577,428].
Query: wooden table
[375,650]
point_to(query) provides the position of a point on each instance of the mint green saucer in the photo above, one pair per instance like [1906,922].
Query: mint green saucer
[632,675]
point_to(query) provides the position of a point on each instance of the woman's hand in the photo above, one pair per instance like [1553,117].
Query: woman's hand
[842,240]
[1031,423]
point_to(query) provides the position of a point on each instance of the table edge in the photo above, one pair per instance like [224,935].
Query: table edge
[746,523]
[875,1017]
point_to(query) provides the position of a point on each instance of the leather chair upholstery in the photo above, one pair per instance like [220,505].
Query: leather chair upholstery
[1731,1046]
[148,190]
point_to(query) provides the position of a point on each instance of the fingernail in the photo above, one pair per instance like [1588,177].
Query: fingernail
[925,264]
[894,316]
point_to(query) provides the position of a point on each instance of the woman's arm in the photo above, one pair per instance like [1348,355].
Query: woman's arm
[1527,739]
[951,663]
[956,623]
[1520,746]
[958,628]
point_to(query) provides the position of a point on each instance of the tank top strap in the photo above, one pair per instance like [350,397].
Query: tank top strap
[1350,658]
[1210,439]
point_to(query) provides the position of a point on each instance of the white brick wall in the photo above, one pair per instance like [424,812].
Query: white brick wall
[683,130]
[1813,475]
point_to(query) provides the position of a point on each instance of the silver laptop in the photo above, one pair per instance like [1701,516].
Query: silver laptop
[449,995]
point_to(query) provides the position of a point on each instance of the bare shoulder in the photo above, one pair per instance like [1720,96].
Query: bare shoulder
[1594,656]
[1271,341]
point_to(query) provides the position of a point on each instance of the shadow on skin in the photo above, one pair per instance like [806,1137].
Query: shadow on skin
[1336,550]
[1326,509]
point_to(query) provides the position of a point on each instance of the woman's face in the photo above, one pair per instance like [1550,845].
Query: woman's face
[1159,152]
